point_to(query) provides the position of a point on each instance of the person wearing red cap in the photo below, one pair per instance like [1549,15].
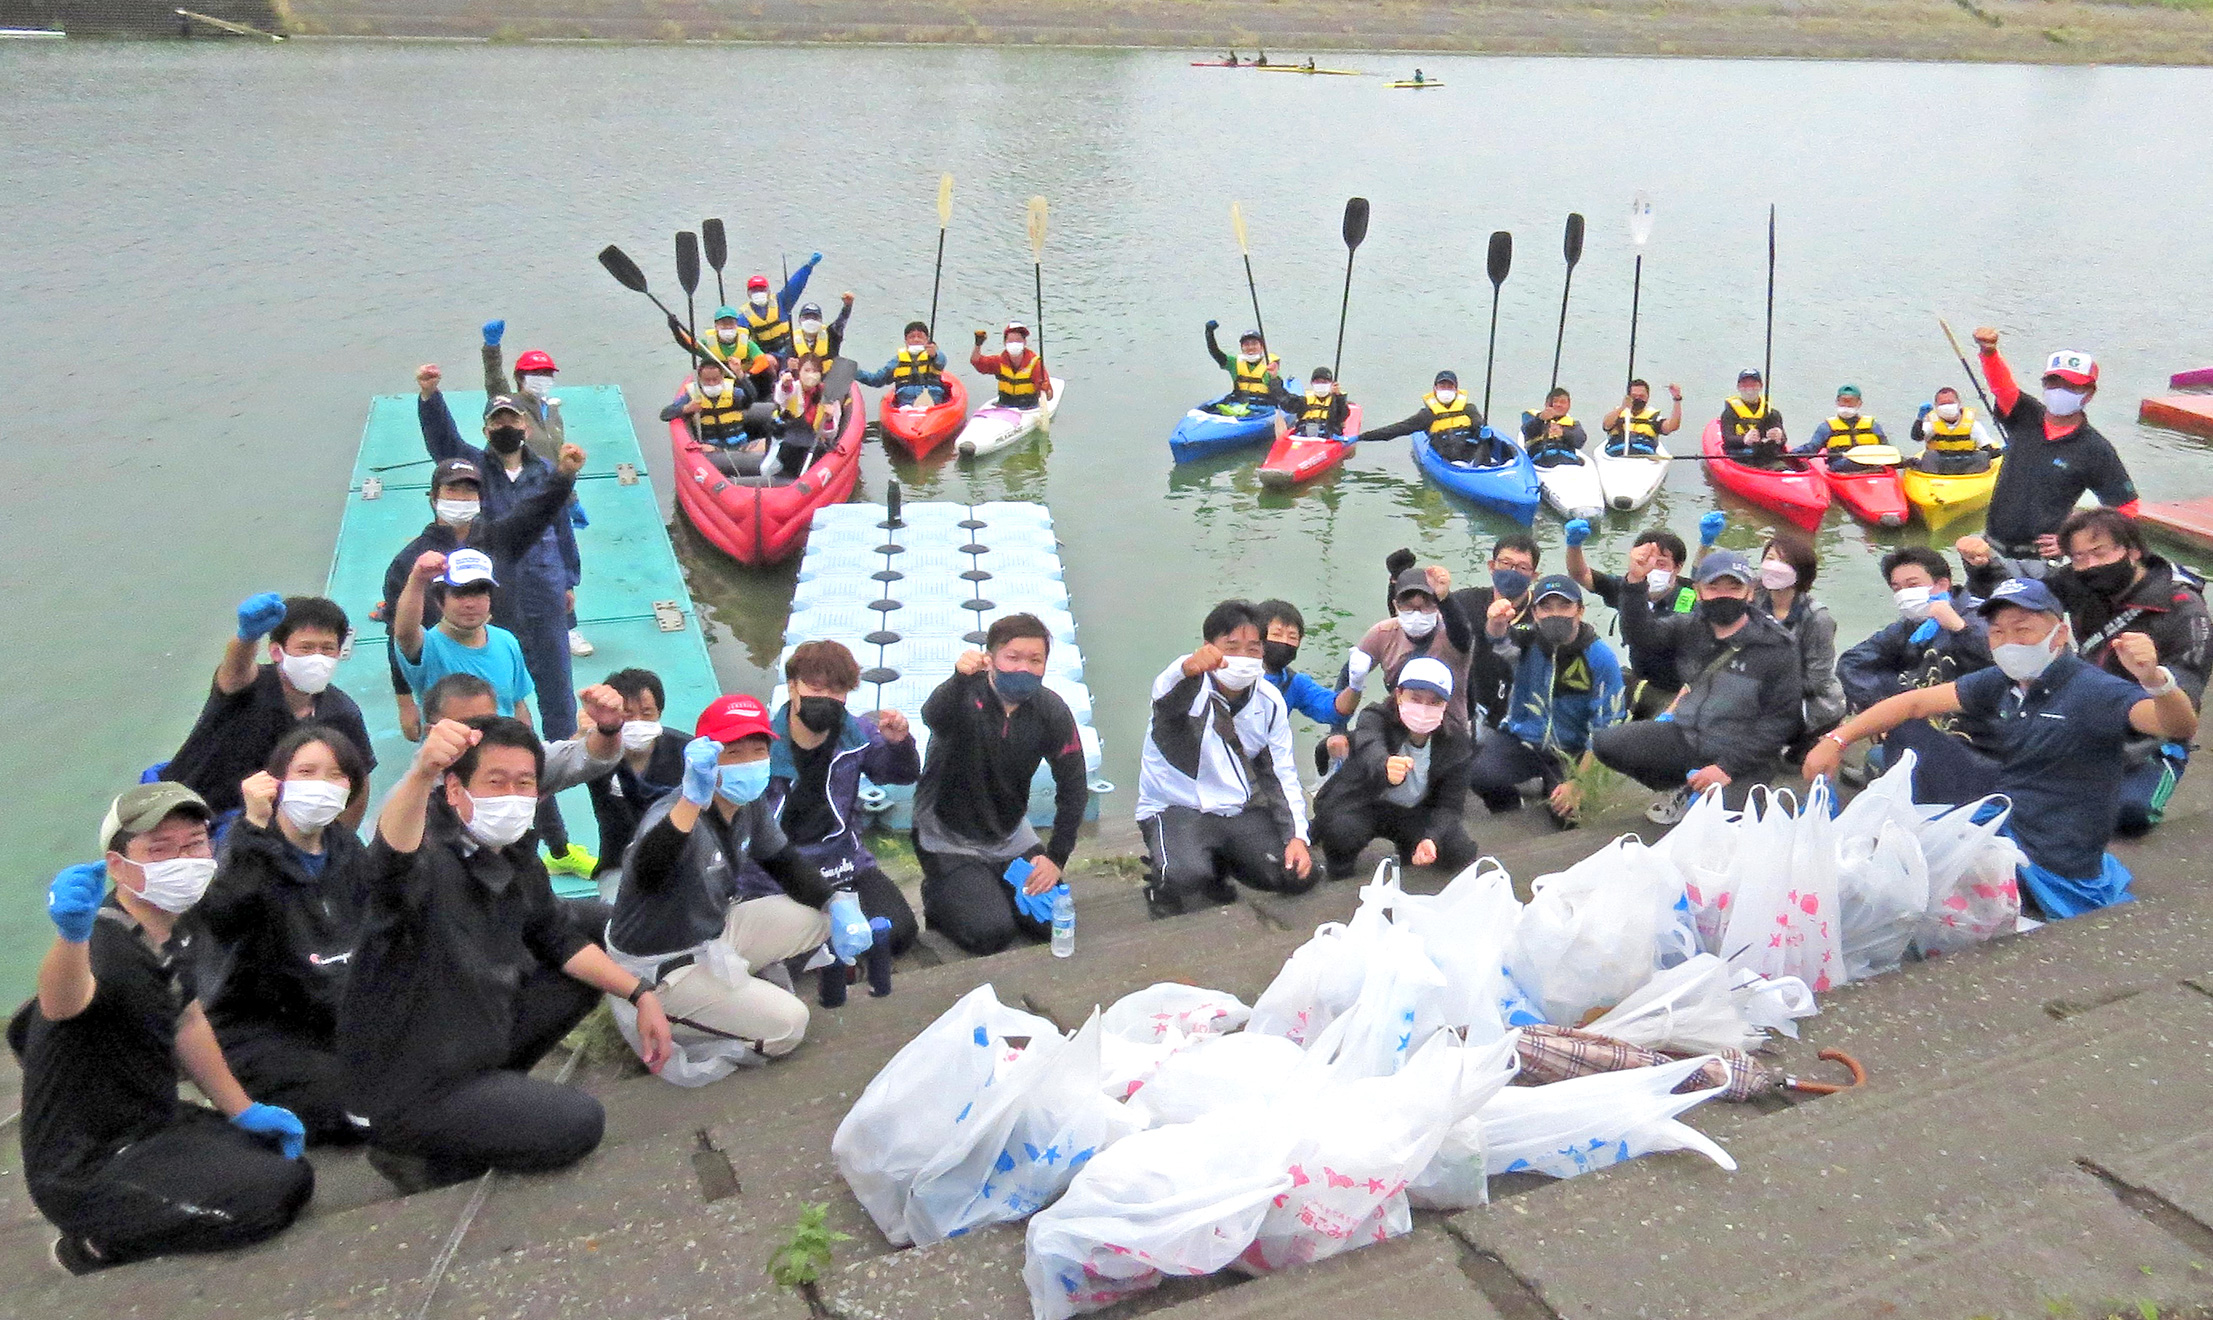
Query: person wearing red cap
[2053,453]
[532,387]
[710,932]
[767,319]
[1023,380]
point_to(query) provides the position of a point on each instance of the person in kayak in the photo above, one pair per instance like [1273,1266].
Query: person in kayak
[2057,454]
[1788,567]
[806,421]
[729,344]
[1425,621]
[1751,426]
[1405,781]
[1953,441]
[811,338]
[2065,724]
[1550,435]
[1322,410]
[1455,428]
[1418,79]
[1255,374]
[1938,636]
[1849,429]
[1656,559]
[1636,426]
[767,318]
[1567,685]
[916,373]
[1023,379]
[715,401]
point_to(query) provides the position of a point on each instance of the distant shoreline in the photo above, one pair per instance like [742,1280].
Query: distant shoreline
[2059,32]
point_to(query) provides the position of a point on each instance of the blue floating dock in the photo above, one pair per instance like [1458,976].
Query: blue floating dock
[632,605]
[907,599]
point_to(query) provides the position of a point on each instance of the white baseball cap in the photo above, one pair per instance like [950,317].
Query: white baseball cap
[1428,674]
[2073,366]
[466,566]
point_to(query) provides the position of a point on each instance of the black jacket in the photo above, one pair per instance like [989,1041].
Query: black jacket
[1741,696]
[976,780]
[279,940]
[2169,608]
[1376,737]
[620,797]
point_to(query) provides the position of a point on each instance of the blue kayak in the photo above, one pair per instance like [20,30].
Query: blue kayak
[1509,488]
[1202,434]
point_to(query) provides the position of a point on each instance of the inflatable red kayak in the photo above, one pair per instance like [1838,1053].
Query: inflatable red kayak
[1878,496]
[1296,459]
[1801,494]
[920,430]
[763,520]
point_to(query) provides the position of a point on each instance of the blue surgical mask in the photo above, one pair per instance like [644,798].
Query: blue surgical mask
[1509,583]
[1016,685]
[744,782]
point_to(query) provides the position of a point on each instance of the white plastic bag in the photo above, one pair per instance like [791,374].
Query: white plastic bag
[1974,879]
[1014,1151]
[1883,893]
[1597,931]
[909,1110]
[1375,1036]
[1782,916]
[1144,1029]
[1702,848]
[1458,1177]
[1468,930]
[1587,1123]
[1687,1007]
[1772,1003]
[1318,981]
[1244,1072]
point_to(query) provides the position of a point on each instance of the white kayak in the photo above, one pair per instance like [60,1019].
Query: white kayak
[1572,489]
[1631,482]
[993,428]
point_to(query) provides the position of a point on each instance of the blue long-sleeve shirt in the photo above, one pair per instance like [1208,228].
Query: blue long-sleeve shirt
[879,379]
[1307,697]
[554,557]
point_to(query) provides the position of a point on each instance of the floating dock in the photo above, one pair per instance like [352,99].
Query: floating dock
[2187,521]
[2191,413]
[909,593]
[632,604]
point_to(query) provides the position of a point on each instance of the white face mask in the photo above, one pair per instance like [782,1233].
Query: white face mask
[1014,348]
[2023,662]
[309,673]
[1417,623]
[1749,396]
[537,385]
[1913,603]
[1948,411]
[310,804]
[810,327]
[1249,359]
[1239,672]
[456,513]
[1847,411]
[1658,580]
[496,822]
[1446,394]
[175,885]
[1776,575]
[1420,717]
[637,735]
[919,350]
[714,390]
[2062,402]
[1322,389]
[758,299]
[728,335]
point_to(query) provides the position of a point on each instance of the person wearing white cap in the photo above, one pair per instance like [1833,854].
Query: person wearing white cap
[1406,780]
[465,641]
[2053,453]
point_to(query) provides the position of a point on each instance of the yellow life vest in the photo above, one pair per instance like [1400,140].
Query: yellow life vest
[1564,421]
[769,329]
[741,352]
[1018,386]
[1747,418]
[816,347]
[1644,425]
[1317,409]
[1951,437]
[1249,380]
[721,416]
[1844,435]
[1448,418]
[914,367]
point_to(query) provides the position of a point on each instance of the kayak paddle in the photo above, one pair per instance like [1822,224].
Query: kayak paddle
[1237,223]
[1500,261]
[718,251]
[1972,378]
[626,273]
[1640,230]
[1356,230]
[944,218]
[1037,265]
[1571,245]
[687,274]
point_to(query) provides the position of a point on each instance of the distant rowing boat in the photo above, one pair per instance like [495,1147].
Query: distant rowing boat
[32,32]
[1416,86]
[1300,68]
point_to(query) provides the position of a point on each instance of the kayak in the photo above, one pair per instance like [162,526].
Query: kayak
[1630,481]
[920,430]
[763,520]
[1509,488]
[1939,499]
[1799,494]
[1203,433]
[994,428]
[1296,459]
[1416,86]
[1874,497]
[1298,68]
[1573,489]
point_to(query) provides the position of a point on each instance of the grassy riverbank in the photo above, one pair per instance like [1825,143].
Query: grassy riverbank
[2024,31]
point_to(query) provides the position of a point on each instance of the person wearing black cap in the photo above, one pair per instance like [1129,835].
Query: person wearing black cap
[2064,725]
[1450,418]
[1740,703]
[111,1155]
[1406,779]
[1567,686]
[811,338]
[1426,621]
[1752,426]
[1512,567]
[1322,410]
[1255,374]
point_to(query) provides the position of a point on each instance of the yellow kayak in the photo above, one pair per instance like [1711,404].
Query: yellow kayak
[1940,499]
[1408,82]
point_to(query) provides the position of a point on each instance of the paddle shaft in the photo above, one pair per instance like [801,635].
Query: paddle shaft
[1344,305]
[1037,272]
[1254,290]
[1636,292]
[1560,339]
[1767,359]
[1490,356]
[1988,409]
[935,278]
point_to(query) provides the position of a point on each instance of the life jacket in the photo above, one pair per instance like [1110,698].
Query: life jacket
[769,329]
[721,417]
[1848,435]
[1950,437]
[1018,386]
[800,405]
[914,367]
[1564,422]
[1747,417]
[1317,410]
[1448,418]
[1636,426]
[817,347]
[739,353]
[1249,380]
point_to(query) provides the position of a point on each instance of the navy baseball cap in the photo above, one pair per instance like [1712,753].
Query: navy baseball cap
[1556,584]
[1725,564]
[2022,594]
[500,402]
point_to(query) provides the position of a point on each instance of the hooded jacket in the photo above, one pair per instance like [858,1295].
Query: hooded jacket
[279,940]
[1561,698]
[1810,624]
[861,750]
[1742,695]
[1377,736]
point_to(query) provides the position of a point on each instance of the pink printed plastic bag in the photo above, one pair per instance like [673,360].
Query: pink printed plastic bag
[1783,914]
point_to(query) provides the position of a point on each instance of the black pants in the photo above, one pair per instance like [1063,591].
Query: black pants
[1955,465]
[881,898]
[1189,854]
[289,1068]
[553,831]
[199,1185]
[968,901]
[1657,755]
[1647,697]
[1502,761]
[1347,827]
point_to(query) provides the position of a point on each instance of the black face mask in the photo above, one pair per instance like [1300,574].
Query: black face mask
[1721,611]
[822,714]
[505,439]
[2108,579]
[1277,656]
[1556,631]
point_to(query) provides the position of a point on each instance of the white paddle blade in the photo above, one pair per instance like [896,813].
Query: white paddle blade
[1037,229]
[1640,219]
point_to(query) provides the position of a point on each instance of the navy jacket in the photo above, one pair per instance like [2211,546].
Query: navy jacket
[862,750]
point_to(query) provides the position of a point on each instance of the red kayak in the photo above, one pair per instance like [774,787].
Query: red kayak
[920,430]
[1799,494]
[1296,459]
[763,520]
[1876,496]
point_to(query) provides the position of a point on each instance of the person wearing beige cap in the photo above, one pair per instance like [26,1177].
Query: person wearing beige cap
[111,1155]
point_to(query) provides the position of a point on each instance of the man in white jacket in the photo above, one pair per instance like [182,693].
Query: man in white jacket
[1218,791]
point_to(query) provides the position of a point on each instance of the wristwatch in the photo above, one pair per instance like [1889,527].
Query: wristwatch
[644,988]
[2164,688]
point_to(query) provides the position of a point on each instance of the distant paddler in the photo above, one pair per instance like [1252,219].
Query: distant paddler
[1255,374]
[1023,381]
[1450,419]
[1551,435]
[814,339]
[1847,430]
[1953,440]
[730,344]
[1322,410]
[1751,427]
[915,373]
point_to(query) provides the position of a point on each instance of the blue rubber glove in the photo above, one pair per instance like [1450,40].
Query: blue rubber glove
[1579,531]
[1926,409]
[492,332]
[1923,633]
[258,614]
[1664,717]
[1709,527]
[850,935]
[700,772]
[73,900]
[270,1121]
[1213,325]
[815,260]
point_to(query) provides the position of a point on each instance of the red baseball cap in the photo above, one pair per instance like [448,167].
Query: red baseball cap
[757,282]
[729,718]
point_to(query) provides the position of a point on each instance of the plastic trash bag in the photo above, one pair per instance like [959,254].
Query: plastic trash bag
[1594,933]
[1458,1175]
[1144,1029]
[1245,1072]
[1589,1123]
[1375,1036]
[1687,1008]
[1014,1150]
[1467,931]
[1883,897]
[1772,1003]
[1782,915]
[1974,885]
[1702,848]
[1318,981]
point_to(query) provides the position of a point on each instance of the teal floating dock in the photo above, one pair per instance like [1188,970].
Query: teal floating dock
[633,604]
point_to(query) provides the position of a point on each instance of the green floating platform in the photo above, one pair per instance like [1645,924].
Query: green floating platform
[632,605]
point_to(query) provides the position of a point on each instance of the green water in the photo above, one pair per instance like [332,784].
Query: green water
[210,256]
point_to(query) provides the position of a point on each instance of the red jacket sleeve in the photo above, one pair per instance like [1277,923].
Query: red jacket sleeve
[2002,389]
[987,363]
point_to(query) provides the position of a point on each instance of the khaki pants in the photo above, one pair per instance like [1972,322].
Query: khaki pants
[762,931]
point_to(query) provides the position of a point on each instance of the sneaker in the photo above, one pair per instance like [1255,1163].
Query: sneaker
[578,646]
[409,1173]
[576,861]
[1671,808]
[1160,906]
[74,1255]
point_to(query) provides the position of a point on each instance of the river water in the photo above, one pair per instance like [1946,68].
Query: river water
[211,255]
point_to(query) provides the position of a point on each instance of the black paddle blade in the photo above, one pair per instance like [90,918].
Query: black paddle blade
[1501,257]
[1356,221]
[837,379]
[625,271]
[718,243]
[1572,243]
[687,261]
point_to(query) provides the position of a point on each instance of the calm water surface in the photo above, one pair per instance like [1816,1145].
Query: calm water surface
[210,256]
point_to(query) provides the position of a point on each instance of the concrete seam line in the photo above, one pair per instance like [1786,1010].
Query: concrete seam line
[2162,1213]
[1512,1296]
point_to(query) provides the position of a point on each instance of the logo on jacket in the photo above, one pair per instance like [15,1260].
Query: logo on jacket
[319,960]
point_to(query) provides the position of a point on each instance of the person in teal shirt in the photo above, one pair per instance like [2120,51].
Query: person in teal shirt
[464,640]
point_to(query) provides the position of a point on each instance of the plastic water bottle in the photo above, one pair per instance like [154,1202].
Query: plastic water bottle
[1064,922]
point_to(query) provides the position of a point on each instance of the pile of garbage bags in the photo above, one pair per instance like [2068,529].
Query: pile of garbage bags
[1402,1058]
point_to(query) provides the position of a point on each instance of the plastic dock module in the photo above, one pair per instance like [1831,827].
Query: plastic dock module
[631,605]
[908,596]
[2179,412]
[2187,521]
